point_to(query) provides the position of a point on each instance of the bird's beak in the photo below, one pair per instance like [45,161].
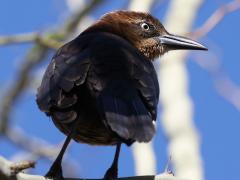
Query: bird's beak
[174,42]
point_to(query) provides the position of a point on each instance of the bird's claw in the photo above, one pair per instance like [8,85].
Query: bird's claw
[55,173]
[111,174]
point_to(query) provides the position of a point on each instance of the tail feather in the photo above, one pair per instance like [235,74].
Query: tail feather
[128,117]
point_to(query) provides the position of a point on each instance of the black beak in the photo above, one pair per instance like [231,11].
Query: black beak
[174,42]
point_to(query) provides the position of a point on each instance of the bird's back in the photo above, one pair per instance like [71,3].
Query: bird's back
[106,85]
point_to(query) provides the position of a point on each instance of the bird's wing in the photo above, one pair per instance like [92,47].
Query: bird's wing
[121,79]
[67,70]
[127,86]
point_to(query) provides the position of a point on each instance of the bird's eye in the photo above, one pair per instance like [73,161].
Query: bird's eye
[145,26]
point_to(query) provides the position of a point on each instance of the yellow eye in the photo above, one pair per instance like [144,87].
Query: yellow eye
[145,26]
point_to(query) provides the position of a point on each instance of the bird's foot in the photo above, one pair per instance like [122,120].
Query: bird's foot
[111,174]
[55,172]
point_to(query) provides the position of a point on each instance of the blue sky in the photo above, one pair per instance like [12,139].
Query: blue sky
[217,120]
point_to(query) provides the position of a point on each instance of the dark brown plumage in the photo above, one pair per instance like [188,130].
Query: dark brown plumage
[101,88]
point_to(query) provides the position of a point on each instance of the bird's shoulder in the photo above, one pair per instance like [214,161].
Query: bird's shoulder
[96,58]
[70,65]
[68,68]
[115,59]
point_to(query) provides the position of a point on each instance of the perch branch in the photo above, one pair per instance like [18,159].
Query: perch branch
[15,168]
[45,150]
[7,173]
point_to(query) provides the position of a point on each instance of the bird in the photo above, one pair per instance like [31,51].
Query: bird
[101,88]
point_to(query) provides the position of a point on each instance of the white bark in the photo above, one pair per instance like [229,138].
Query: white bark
[177,114]
[143,5]
[76,5]
[5,169]
[143,153]
[144,158]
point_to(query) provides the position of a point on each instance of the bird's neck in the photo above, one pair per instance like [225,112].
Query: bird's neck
[112,27]
[119,29]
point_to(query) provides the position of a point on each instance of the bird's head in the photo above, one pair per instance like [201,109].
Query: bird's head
[144,32]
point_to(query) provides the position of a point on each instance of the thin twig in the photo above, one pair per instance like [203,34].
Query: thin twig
[34,57]
[15,168]
[224,86]
[70,25]
[21,38]
[44,149]
[215,19]
[30,37]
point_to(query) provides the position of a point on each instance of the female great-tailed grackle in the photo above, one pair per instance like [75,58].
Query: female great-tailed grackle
[101,88]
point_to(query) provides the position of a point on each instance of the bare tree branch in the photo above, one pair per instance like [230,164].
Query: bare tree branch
[215,19]
[177,107]
[7,174]
[225,87]
[144,6]
[22,38]
[19,167]
[44,149]
[18,137]
[35,56]
[223,84]
[30,37]
[72,24]
[143,153]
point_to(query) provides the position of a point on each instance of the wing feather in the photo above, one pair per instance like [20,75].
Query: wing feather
[66,71]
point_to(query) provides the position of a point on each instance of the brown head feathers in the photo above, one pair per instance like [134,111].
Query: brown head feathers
[136,27]
[143,31]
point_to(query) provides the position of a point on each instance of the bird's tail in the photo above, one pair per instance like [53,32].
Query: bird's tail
[125,113]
